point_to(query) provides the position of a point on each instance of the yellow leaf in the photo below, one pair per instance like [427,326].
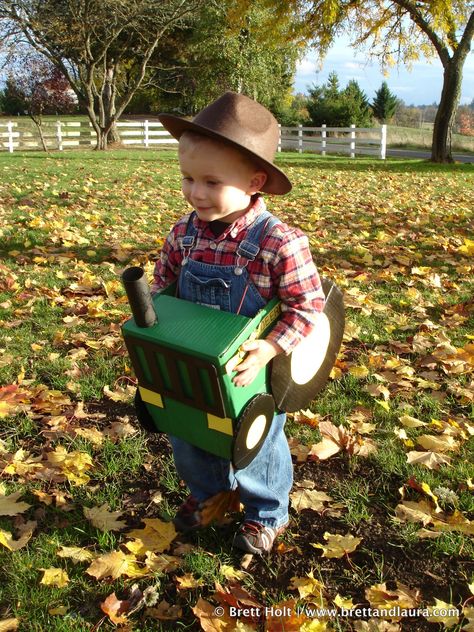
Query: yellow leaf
[431,460]
[308,586]
[7,540]
[309,499]
[76,553]
[359,371]
[324,449]
[214,509]
[54,577]
[162,563]
[410,511]
[338,545]
[59,610]
[467,248]
[380,597]
[411,422]
[343,602]
[115,564]
[231,573]
[104,519]
[187,581]
[9,505]
[156,536]
[383,403]
[6,625]
[449,617]
[120,394]
[442,443]
[209,620]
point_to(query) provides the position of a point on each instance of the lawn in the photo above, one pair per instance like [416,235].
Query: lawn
[78,477]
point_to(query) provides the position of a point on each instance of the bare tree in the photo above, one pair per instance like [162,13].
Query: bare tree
[102,47]
[40,88]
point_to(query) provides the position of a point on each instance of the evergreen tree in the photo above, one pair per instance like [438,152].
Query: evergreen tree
[338,108]
[385,104]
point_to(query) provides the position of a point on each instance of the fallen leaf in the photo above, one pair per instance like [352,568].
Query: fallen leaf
[115,608]
[6,538]
[449,617]
[6,625]
[58,610]
[76,554]
[165,612]
[338,545]
[309,499]
[214,509]
[402,597]
[309,586]
[211,622]
[104,519]
[54,577]
[156,536]
[431,460]
[442,443]
[9,505]
[114,565]
[188,581]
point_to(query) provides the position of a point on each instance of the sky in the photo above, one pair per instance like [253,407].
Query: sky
[421,86]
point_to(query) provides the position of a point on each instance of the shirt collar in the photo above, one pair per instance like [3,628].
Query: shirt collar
[244,221]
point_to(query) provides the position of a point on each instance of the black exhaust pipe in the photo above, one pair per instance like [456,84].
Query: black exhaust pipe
[139,296]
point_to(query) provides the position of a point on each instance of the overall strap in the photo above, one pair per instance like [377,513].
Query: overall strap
[250,247]
[187,242]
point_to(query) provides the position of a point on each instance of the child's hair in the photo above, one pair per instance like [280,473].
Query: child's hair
[190,139]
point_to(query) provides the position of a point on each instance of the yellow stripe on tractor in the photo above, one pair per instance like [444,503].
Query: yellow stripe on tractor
[150,397]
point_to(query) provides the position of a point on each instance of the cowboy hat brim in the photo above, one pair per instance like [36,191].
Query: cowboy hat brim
[277,182]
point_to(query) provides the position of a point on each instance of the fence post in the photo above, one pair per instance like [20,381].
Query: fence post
[300,139]
[323,139]
[59,135]
[10,136]
[279,137]
[353,141]
[146,134]
[383,142]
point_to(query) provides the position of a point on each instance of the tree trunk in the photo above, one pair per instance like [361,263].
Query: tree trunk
[39,126]
[445,116]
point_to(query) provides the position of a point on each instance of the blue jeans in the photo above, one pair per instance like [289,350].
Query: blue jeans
[264,485]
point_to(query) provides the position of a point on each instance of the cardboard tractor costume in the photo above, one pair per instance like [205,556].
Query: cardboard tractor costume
[183,354]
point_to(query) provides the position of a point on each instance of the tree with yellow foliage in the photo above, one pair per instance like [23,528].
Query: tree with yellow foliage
[396,31]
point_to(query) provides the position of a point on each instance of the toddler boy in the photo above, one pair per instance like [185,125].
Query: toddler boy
[230,253]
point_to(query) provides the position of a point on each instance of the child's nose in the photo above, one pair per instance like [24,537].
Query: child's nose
[197,191]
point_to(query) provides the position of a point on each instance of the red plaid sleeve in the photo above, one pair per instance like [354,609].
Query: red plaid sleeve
[297,283]
[168,265]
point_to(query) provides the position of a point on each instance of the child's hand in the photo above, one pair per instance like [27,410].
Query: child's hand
[259,352]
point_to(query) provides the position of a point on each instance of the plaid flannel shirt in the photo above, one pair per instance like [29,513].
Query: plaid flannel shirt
[284,267]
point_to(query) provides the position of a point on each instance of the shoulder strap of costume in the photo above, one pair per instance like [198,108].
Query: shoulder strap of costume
[191,231]
[250,247]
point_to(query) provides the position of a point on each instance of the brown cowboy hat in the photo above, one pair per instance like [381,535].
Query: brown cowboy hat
[241,123]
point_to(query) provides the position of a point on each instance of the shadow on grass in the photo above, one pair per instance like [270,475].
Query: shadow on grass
[290,159]
[9,251]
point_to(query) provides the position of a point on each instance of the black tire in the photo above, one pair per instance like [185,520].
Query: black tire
[313,358]
[256,418]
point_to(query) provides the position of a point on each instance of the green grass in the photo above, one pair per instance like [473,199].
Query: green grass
[70,222]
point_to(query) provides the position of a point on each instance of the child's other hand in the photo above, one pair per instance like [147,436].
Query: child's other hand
[259,352]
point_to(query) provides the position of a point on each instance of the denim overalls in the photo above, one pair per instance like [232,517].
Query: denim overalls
[264,485]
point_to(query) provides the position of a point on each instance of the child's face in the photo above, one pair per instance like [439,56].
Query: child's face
[217,181]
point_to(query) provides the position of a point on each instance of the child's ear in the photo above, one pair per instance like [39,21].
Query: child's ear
[258,180]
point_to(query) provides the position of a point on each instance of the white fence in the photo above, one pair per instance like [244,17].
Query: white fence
[371,141]
[60,135]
